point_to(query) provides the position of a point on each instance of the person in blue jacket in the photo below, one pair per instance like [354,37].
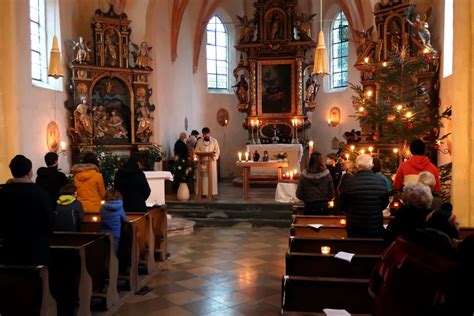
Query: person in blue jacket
[112,215]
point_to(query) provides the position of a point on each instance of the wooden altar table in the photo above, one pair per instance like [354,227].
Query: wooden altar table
[246,165]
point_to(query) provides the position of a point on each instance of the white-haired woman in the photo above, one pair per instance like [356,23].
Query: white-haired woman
[428,179]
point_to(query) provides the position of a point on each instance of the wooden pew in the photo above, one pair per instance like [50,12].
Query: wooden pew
[101,262]
[354,245]
[303,230]
[319,265]
[313,294]
[465,231]
[136,236]
[25,291]
[327,220]
[159,222]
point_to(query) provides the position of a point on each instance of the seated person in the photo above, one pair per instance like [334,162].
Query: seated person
[412,214]
[315,187]
[428,179]
[112,215]
[69,212]
[417,273]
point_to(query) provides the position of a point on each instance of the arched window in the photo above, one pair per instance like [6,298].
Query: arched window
[217,54]
[339,51]
[38,40]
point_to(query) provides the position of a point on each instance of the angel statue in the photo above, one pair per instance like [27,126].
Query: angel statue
[247,29]
[82,55]
[421,27]
[363,37]
[303,26]
[142,60]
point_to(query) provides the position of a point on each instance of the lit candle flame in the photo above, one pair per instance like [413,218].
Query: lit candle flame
[325,250]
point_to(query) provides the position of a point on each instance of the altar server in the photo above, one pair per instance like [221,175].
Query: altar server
[209,144]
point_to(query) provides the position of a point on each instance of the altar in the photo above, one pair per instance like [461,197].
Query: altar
[294,152]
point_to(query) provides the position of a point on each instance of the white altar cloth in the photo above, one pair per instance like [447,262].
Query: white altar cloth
[294,151]
[286,192]
[156,180]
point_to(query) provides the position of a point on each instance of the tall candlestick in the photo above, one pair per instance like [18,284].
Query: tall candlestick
[240,156]
[291,175]
[352,148]
[246,156]
[62,145]
[310,144]
[295,172]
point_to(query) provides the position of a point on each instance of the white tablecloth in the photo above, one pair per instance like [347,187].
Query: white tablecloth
[156,180]
[294,151]
[286,193]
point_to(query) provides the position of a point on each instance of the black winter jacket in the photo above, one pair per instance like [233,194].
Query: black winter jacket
[315,187]
[363,198]
[132,184]
[51,179]
[26,223]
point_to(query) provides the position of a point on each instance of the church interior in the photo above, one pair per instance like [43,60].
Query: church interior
[275,89]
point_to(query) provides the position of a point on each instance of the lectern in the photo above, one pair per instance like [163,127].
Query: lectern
[204,167]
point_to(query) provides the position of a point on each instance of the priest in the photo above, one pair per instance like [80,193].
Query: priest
[209,144]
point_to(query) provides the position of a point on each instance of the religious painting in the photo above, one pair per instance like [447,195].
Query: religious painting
[111,112]
[276,88]
[52,136]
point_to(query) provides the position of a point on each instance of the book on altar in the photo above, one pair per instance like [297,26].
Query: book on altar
[335,312]
[346,256]
[315,226]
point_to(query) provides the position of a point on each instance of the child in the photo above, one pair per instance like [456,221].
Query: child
[69,212]
[112,215]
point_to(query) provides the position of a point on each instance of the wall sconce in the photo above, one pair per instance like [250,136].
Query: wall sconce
[62,148]
[334,116]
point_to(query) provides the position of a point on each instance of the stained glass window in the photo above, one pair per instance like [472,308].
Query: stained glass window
[339,51]
[217,54]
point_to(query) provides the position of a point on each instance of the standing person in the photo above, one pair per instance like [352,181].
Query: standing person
[69,212]
[112,215]
[131,182]
[377,169]
[191,143]
[26,217]
[89,183]
[363,198]
[50,178]
[210,145]
[428,179]
[334,167]
[315,187]
[180,148]
[409,170]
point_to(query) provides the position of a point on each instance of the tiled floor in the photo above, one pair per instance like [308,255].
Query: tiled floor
[218,271]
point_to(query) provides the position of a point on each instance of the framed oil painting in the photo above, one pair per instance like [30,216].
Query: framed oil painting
[276,88]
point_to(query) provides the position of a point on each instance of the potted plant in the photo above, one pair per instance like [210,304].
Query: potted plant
[152,156]
[183,171]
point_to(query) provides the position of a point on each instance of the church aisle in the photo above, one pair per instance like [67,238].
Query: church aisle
[218,271]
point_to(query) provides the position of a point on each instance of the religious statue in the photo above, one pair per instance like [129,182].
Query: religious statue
[102,127]
[116,129]
[421,27]
[247,29]
[311,90]
[363,38]
[303,26]
[378,50]
[256,156]
[142,60]
[98,112]
[266,156]
[144,119]
[241,90]
[111,48]
[275,27]
[82,120]
[395,37]
[82,55]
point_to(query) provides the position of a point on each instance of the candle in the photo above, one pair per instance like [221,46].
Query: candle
[366,60]
[331,204]
[257,122]
[225,122]
[384,64]
[396,204]
[95,218]
[352,148]
[395,150]
[295,172]
[347,156]
[246,156]
[329,121]
[240,156]
[325,250]
[371,149]
[342,221]
[293,122]
[362,151]
[291,175]
[311,144]
[62,145]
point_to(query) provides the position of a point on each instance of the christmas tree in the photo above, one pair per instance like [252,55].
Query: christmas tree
[398,107]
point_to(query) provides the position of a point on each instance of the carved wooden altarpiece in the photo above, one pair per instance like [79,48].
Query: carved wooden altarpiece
[110,100]
[274,63]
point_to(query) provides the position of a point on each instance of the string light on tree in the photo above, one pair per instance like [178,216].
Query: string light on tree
[409,114]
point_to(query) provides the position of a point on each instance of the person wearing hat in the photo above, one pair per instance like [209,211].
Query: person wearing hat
[27,217]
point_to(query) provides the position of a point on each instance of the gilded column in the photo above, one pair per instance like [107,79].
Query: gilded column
[299,86]
[253,87]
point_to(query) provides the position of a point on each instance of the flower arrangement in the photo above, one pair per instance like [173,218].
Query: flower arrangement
[182,170]
[281,156]
[152,154]
[109,163]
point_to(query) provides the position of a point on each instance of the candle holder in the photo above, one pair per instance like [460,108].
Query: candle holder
[252,140]
[295,134]
[325,250]
[257,135]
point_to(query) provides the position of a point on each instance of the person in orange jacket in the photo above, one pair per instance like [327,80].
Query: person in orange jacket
[409,170]
[89,183]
